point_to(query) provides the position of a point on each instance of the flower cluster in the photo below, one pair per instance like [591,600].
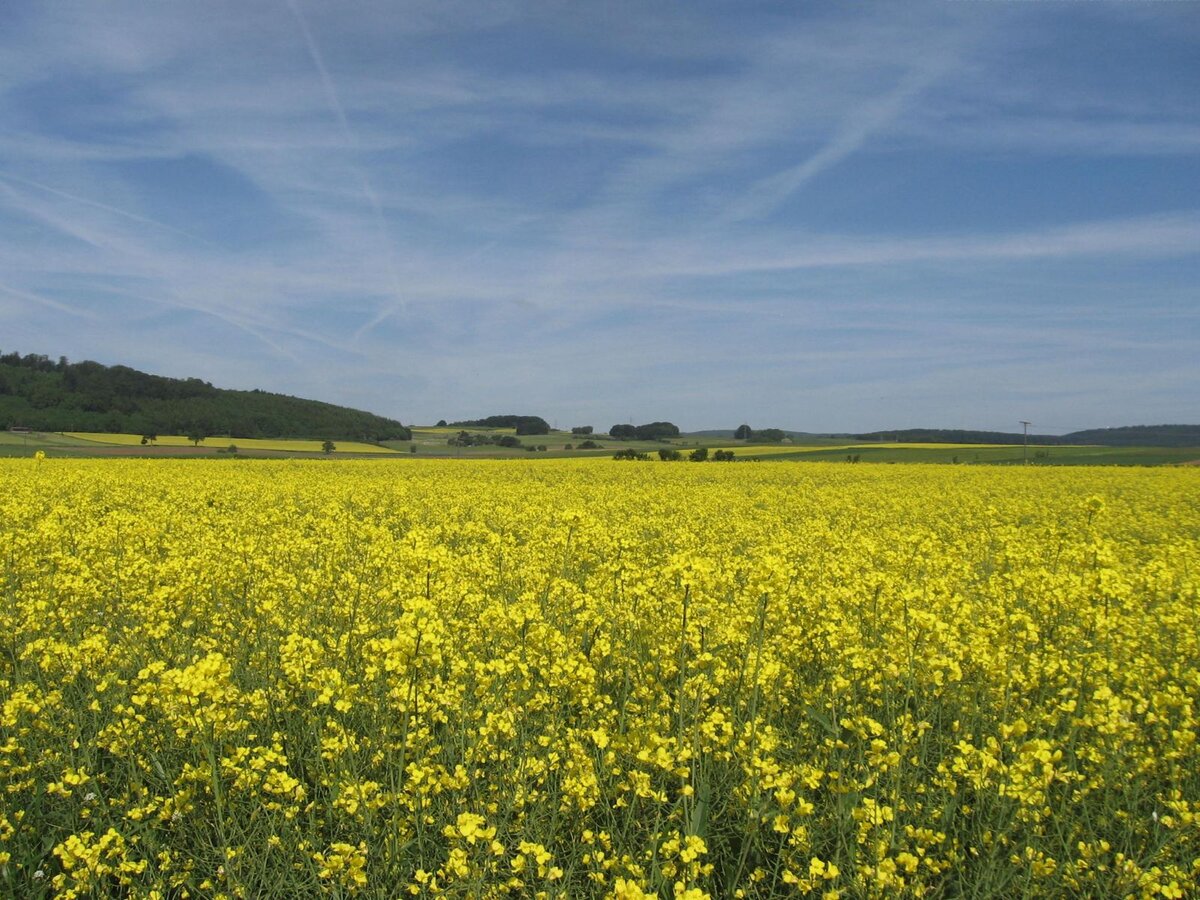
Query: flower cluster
[570,678]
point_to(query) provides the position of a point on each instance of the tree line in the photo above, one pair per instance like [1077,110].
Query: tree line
[651,431]
[57,395]
[522,424]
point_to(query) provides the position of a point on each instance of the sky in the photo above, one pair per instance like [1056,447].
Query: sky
[825,217]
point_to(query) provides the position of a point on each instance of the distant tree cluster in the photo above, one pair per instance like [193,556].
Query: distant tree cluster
[630,453]
[466,439]
[582,429]
[522,424]
[59,395]
[766,436]
[652,431]
[959,436]
[589,445]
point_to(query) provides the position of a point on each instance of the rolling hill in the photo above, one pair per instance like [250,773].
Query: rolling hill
[1128,436]
[39,393]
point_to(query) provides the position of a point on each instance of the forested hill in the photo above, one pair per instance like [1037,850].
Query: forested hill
[1129,436]
[39,393]
[1138,436]
[955,436]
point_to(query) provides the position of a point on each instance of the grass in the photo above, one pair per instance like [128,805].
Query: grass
[990,454]
[431,441]
[276,444]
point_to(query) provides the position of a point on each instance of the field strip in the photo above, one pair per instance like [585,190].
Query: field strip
[176,440]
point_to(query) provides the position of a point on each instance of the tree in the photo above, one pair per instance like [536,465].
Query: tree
[630,453]
[196,435]
[668,454]
[582,429]
[768,436]
[700,454]
[723,456]
[743,433]
[441,423]
[328,447]
[622,432]
[522,424]
[656,431]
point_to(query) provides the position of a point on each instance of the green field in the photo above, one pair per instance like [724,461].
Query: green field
[991,454]
[112,444]
[433,442]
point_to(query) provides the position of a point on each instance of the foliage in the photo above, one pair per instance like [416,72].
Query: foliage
[768,436]
[723,456]
[651,431]
[630,453]
[582,429]
[1137,436]
[583,679]
[467,439]
[700,454]
[522,424]
[669,454]
[743,433]
[87,396]
[1126,436]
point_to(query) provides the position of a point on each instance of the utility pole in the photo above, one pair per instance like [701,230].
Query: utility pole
[1025,445]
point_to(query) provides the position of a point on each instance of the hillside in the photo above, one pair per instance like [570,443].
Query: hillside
[1138,436]
[956,436]
[1129,436]
[44,395]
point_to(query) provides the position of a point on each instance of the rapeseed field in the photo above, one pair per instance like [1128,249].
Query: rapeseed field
[593,679]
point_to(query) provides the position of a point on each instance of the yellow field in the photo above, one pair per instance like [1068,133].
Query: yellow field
[594,679]
[178,440]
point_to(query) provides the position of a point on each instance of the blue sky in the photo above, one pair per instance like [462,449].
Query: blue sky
[824,217]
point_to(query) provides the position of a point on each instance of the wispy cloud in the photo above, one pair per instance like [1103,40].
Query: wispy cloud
[531,209]
[48,302]
[768,193]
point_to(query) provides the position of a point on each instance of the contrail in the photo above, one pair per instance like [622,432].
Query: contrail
[46,301]
[134,217]
[335,105]
[772,191]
